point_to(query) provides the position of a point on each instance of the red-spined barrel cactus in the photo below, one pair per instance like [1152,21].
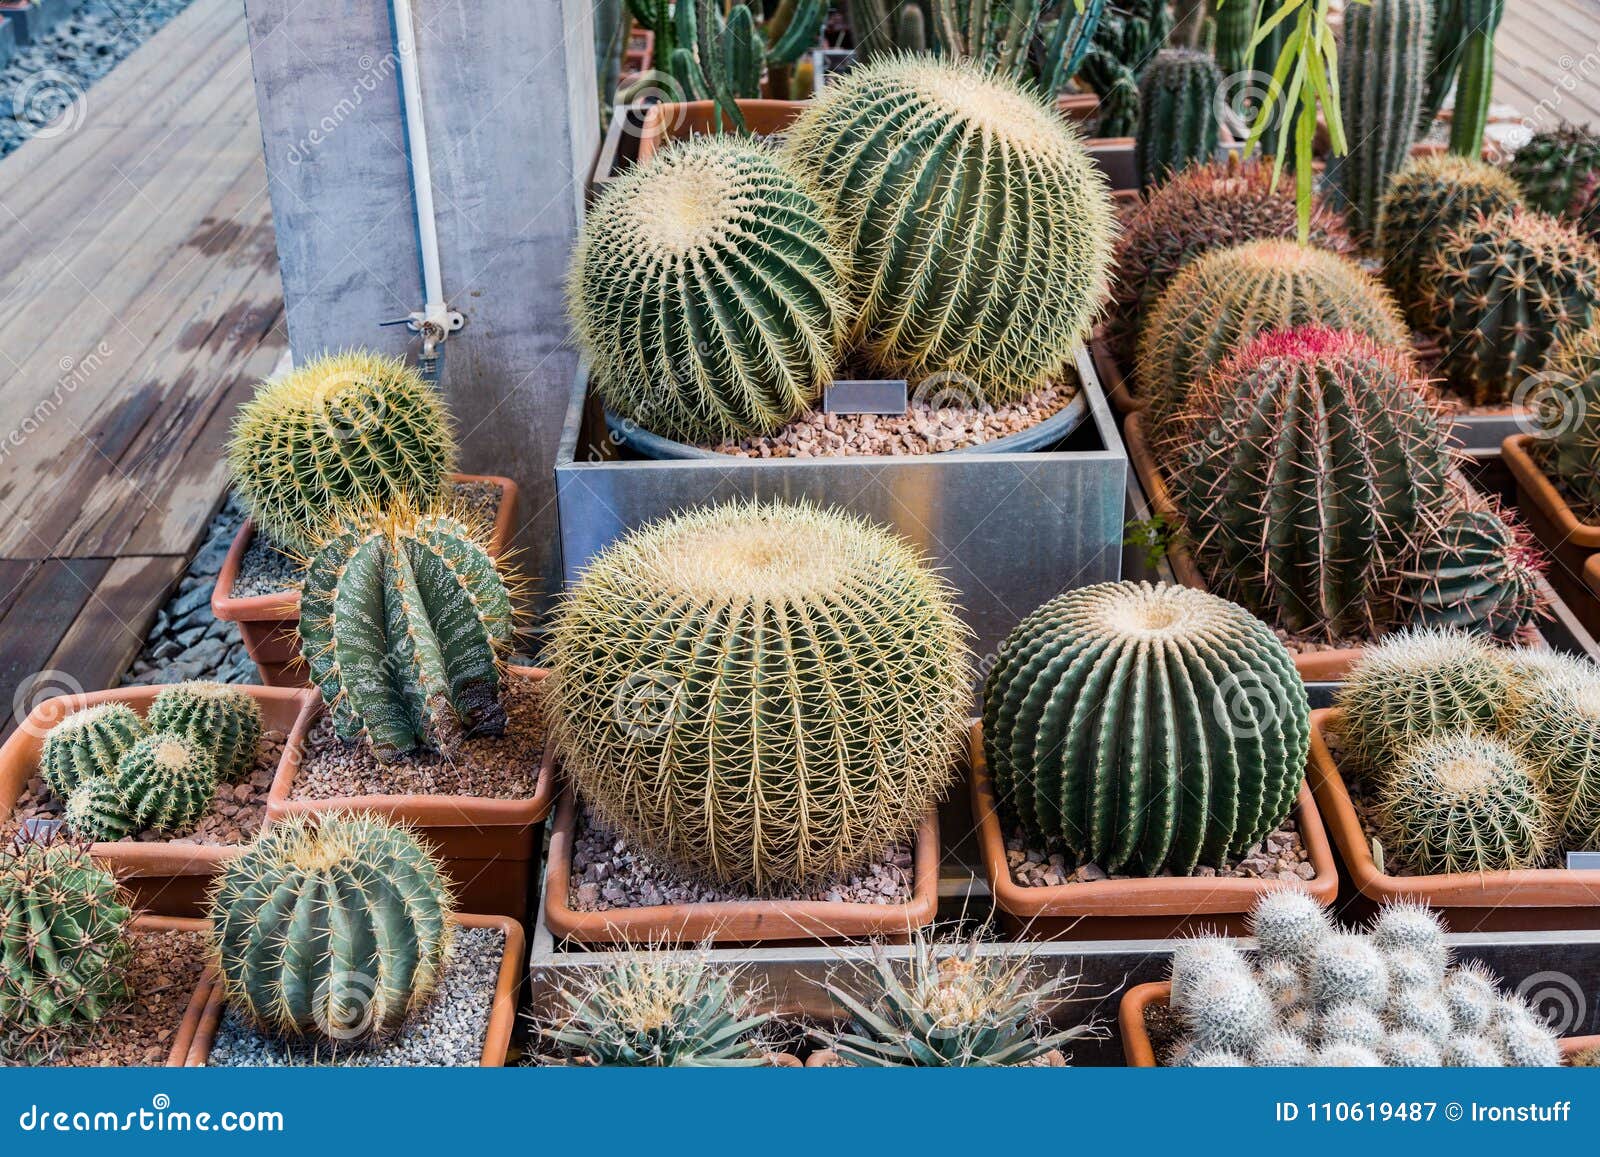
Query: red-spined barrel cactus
[1477,571]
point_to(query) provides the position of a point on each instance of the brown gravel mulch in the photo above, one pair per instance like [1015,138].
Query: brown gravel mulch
[1281,856]
[495,767]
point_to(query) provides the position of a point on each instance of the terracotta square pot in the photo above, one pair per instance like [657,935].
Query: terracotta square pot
[731,922]
[679,120]
[270,624]
[488,845]
[1519,901]
[206,1006]
[167,879]
[1570,542]
[1154,908]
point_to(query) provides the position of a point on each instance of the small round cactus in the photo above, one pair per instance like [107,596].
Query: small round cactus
[1288,924]
[1405,926]
[1557,171]
[98,811]
[1215,1059]
[1556,728]
[1345,968]
[1472,996]
[1281,981]
[1412,970]
[1227,1011]
[1525,1041]
[1196,959]
[168,782]
[1341,1055]
[1469,1051]
[1567,410]
[1280,1050]
[221,718]
[1409,1050]
[1422,1011]
[1349,1023]
[87,745]
[1477,571]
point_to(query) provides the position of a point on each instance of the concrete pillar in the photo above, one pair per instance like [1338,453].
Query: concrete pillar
[510,109]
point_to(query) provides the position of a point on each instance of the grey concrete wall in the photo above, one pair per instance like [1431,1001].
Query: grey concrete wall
[508,91]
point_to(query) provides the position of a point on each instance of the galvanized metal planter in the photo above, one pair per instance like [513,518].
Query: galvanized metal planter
[1009,530]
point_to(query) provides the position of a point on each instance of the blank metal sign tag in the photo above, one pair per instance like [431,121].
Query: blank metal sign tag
[1581,861]
[869,396]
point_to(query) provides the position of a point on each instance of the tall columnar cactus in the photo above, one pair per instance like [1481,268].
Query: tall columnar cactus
[353,428]
[763,694]
[980,230]
[1568,414]
[1177,113]
[1504,290]
[1464,51]
[883,27]
[1236,26]
[1203,208]
[724,56]
[1302,466]
[167,782]
[98,811]
[1557,171]
[656,15]
[1476,571]
[334,929]
[707,293]
[1129,35]
[1223,299]
[87,744]
[1382,67]
[1461,802]
[401,621]
[1556,728]
[63,950]
[222,718]
[1425,201]
[1145,728]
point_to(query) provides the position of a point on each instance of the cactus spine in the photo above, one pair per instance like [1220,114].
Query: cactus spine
[98,811]
[1478,20]
[224,720]
[1177,113]
[168,782]
[1236,26]
[1477,572]
[401,621]
[1558,171]
[87,745]
[1127,38]
[1556,728]
[1145,728]
[1568,414]
[335,929]
[1382,66]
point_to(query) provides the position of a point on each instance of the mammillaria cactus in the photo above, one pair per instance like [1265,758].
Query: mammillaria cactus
[979,227]
[1180,743]
[348,429]
[334,928]
[1382,67]
[98,811]
[1557,171]
[1223,299]
[763,694]
[1504,290]
[1425,201]
[62,926]
[1567,410]
[707,293]
[1288,925]
[1556,727]
[658,1009]
[1461,802]
[401,622]
[1477,571]
[1177,113]
[1202,208]
[1301,466]
[87,744]
[222,718]
[168,782]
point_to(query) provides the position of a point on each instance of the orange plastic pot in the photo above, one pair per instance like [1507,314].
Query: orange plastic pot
[1533,899]
[1570,542]
[679,120]
[743,922]
[270,624]
[488,845]
[207,1005]
[167,879]
[1154,908]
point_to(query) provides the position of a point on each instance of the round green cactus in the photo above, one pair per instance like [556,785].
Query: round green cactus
[1223,299]
[87,745]
[1177,113]
[1477,571]
[979,227]
[98,810]
[1567,410]
[168,782]
[762,694]
[707,293]
[1556,727]
[401,621]
[334,929]
[63,950]
[1558,171]
[1145,728]
[222,718]
[349,429]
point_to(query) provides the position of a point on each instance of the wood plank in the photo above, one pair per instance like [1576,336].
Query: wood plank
[108,633]
[39,618]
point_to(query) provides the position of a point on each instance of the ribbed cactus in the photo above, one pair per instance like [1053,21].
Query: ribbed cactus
[98,811]
[167,781]
[658,1009]
[724,55]
[349,429]
[1177,113]
[1301,467]
[999,37]
[656,15]
[63,950]
[1556,728]
[334,928]
[1476,571]
[401,622]
[1557,171]
[222,718]
[1223,299]
[1567,410]
[1236,26]
[1126,40]
[1466,32]
[763,694]
[1145,728]
[1205,207]
[980,229]
[87,744]
[1382,75]
[1504,290]
[1461,802]
[1425,201]
[707,293]
[884,27]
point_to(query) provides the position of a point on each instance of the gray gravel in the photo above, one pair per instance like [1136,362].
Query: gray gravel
[448,1033]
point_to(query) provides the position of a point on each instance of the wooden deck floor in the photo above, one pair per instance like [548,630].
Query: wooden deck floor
[1547,61]
[139,300]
